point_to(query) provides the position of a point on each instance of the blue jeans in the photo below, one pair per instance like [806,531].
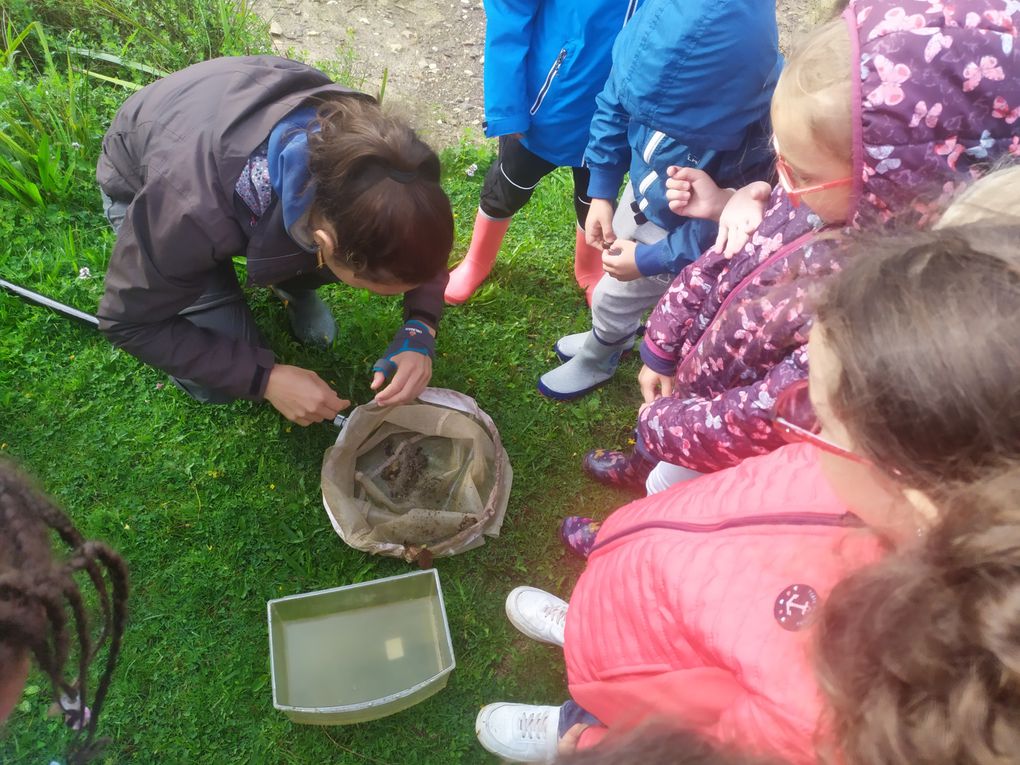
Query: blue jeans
[571,714]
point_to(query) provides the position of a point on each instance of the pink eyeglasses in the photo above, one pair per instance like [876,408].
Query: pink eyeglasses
[785,173]
[795,419]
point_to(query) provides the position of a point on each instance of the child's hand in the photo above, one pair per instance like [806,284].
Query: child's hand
[693,193]
[568,744]
[414,370]
[598,228]
[620,261]
[653,385]
[741,216]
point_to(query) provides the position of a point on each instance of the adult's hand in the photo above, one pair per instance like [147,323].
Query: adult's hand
[414,370]
[598,227]
[302,396]
[653,385]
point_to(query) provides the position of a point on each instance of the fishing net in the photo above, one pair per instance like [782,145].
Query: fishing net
[425,479]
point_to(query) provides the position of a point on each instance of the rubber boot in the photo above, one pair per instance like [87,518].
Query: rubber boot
[624,470]
[587,265]
[593,366]
[486,238]
[311,321]
[568,346]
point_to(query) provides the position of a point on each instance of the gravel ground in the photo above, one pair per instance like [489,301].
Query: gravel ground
[431,50]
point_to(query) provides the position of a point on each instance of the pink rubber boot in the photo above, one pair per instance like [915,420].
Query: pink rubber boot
[587,265]
[481,255]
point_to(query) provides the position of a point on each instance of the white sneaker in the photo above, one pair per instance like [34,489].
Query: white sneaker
[519,732]
[538,614]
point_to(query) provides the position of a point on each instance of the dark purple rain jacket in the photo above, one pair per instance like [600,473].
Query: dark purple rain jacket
[176,148]
[936,100]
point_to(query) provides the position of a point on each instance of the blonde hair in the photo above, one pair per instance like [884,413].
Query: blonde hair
[993,199]
[815,86]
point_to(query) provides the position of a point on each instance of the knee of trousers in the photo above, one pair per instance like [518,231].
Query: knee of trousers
[501,196]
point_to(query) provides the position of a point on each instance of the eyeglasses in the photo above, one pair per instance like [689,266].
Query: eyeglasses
[796,422]
[785,173]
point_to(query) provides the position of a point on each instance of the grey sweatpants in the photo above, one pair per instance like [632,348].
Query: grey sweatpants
[617,308]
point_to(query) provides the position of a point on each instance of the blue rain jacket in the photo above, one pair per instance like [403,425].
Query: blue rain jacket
[545,61]
[691,85]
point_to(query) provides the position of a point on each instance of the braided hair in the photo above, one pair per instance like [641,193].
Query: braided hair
[42,609]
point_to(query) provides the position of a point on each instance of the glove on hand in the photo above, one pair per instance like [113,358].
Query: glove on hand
[415,337]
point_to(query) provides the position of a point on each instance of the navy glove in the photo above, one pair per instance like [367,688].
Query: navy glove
[414,336]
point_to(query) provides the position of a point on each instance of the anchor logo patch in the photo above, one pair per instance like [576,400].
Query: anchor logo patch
[796,607]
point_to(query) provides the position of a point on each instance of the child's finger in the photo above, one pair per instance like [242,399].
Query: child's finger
[720,239]
[678,195]
[736,242]
[672,170]
[377,380]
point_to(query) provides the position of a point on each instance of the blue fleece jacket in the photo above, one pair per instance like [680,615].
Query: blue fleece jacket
[545,61]
[691,85]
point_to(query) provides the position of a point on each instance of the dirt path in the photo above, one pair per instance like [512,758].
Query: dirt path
[432,51]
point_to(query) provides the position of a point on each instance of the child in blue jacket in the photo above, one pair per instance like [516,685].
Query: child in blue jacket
[690,86]
[545,61]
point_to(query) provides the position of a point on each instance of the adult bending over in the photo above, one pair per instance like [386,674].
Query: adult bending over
[311,183]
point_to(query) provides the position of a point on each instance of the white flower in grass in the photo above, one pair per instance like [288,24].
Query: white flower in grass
[471,170]
[84,273]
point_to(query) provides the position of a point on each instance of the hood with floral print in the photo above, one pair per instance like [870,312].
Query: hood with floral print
[937,99]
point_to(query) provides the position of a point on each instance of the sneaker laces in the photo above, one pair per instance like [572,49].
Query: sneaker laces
[532,724]
[555,614]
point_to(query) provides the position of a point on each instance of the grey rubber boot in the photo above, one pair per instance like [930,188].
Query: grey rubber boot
[311,321]
[593,365]
[568,346]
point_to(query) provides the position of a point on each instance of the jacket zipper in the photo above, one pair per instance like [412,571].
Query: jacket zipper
[846,520]
[553,71]
[781,252]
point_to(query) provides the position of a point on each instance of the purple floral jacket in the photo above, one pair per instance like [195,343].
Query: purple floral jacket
[937,100]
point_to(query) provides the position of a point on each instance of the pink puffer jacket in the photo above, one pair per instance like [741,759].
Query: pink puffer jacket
[707,624]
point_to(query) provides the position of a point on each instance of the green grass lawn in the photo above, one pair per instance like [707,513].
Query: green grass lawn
[217,509]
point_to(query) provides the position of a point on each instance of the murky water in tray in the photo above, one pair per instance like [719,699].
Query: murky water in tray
[361,655]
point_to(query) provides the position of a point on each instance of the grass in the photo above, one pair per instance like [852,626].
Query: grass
[217,509]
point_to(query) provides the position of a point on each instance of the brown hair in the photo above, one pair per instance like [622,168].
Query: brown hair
[378,186]
[660,744]
[815,86]
[926,327]
[42,610]
[919,655]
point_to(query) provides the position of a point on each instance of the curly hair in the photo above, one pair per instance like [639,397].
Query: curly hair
[919,655]
[42,608]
